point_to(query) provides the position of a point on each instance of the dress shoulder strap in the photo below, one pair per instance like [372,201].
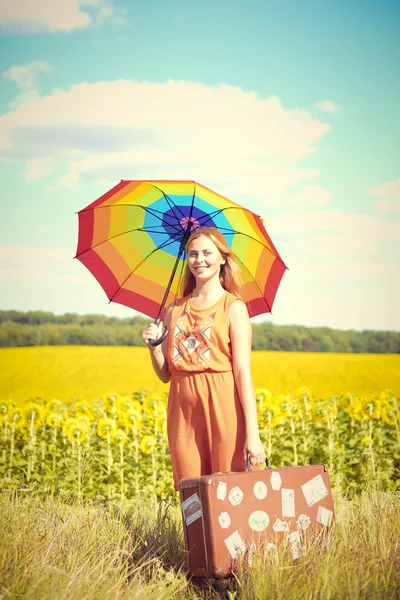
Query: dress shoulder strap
[230,299]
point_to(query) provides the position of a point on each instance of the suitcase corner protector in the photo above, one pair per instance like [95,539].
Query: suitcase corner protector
[207,480]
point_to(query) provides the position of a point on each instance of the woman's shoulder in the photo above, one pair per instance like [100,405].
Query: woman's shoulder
[236,309]
[173,309]
[231,298]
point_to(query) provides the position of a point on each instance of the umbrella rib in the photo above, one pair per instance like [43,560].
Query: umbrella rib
[233,232]
[164,245]
[192,205]
[220,210]
[123,233]
[253,278]
[169,202]
[171,224]
[151,211]
[226,231]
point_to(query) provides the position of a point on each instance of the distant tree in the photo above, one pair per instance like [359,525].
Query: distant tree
[44,328]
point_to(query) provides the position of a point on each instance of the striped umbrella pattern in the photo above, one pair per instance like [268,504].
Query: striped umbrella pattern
[132,239]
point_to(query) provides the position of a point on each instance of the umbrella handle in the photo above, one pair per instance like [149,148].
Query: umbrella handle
[163,336]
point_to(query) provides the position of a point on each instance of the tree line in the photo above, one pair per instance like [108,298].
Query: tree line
[39,328]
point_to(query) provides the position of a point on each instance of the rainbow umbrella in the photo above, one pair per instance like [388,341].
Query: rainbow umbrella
[132,239]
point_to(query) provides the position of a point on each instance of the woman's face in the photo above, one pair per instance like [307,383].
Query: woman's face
[204,258]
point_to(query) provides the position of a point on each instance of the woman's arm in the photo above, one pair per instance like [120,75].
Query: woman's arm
[158,353]
[240,334]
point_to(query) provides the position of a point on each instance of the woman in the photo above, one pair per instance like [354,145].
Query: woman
[212,416]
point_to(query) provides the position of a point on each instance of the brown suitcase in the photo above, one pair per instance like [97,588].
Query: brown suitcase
[228,514]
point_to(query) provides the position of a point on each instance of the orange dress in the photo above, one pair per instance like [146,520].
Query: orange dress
[206,428]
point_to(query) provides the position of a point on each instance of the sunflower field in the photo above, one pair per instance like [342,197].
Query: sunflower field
[116,448]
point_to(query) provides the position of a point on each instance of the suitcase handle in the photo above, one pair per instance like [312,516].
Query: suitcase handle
[248,464]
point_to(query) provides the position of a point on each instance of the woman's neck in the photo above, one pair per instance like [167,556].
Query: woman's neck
[207,292]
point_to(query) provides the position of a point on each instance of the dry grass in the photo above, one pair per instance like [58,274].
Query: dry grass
[53,550]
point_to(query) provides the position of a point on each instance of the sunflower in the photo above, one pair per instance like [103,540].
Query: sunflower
[147,444]
[17,415]
[82,407]
[121,418]
[373,407]
[111,401]
[54,419]
[270,418]
[5,407]
[153,402]
[34,413]
[76,430]
[133,417]
[98,410]
[161,418]
[119,436]
[263,398]
[106,426]
[355,409]
[55,405]
[124,403]
[84,419]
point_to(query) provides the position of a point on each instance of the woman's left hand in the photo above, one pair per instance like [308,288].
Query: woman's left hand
[254,450]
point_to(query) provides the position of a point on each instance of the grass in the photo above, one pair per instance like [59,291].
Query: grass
[51,549]
[90,371]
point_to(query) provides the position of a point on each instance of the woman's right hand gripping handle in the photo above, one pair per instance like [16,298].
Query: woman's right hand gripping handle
[151,334]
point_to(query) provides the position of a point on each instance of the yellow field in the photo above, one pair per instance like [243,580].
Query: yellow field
[91,371]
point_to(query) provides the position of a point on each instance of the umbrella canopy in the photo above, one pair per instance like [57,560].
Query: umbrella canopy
[130,239]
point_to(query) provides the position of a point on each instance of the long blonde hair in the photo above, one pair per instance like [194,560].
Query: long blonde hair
[229,275]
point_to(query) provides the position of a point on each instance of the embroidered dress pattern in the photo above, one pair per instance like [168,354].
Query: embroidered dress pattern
[192,339]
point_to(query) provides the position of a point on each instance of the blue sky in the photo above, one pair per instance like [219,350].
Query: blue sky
[290,108]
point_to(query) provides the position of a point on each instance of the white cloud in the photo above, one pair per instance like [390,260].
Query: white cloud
[29,253]
[388,206]
[354,224]
[51,267]
[74,277]
[35,16]
[69,181]
[22,275]
[336,243]
[328,106]
[371,304]
[38,168]
[107,14]
[390,202]
[25,76]
[308,196]
[46,277]
[224,137]
[340,244]
[347,269]
[24,98]
[312,195]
